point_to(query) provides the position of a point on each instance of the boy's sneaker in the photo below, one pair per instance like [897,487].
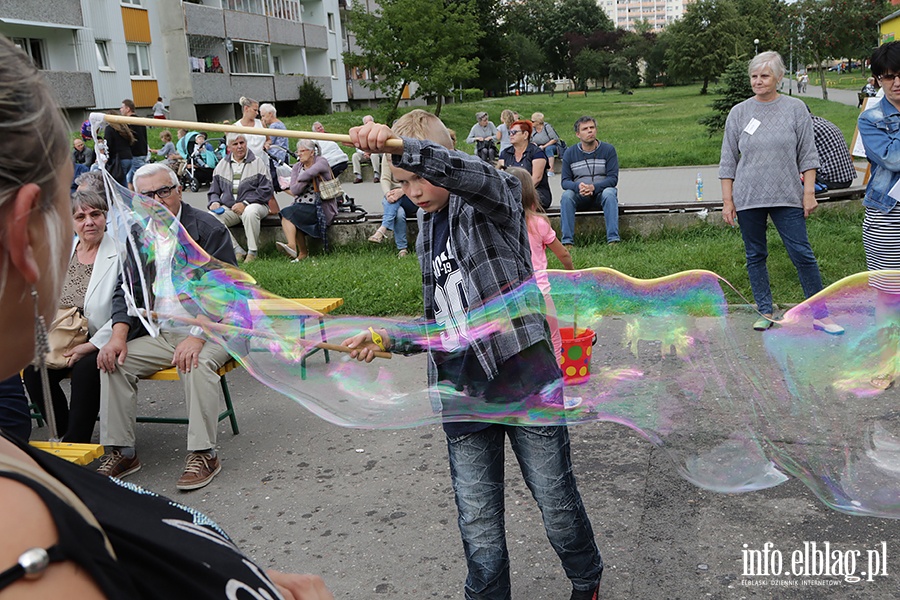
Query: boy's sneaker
[199,470]
[115,464]
[593,594]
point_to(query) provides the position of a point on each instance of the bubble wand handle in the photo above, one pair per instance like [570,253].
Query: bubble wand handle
[223,128]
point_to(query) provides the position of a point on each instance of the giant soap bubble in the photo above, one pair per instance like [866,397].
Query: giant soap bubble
[735,410]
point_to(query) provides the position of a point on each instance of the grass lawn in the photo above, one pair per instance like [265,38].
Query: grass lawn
[374,282]
[655,127]
[842,81]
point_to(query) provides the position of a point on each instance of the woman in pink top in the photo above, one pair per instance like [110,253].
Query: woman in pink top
[540,237]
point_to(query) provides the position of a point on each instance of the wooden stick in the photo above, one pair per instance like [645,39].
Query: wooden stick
[207,324]
[191,125]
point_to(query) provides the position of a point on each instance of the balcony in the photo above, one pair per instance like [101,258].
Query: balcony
[72,89]
[289,10]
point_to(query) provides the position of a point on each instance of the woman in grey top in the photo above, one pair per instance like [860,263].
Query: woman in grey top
[768,143]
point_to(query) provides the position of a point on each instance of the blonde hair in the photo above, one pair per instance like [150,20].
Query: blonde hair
[247,102]
[537,117]
[507,116]
[34,144]
[530,201]
[422,125]
[165,135]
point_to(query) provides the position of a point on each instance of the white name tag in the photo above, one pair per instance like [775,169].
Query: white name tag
[752,126]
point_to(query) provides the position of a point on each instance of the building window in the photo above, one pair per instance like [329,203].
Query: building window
[34,48]
[103,61]
[333,69]
[330,21]
[250,58]
[132,2]
[139,60]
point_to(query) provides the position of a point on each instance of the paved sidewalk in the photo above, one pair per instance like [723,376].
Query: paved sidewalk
[373,510]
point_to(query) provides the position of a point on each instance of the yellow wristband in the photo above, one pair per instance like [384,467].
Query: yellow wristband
[376,337]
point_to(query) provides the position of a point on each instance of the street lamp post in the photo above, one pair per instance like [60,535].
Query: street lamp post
[756,46]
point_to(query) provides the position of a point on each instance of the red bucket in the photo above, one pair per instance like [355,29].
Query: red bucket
[576,355]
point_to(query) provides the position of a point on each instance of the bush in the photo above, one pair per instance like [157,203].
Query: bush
[312,100]
[735,89]
[472,95]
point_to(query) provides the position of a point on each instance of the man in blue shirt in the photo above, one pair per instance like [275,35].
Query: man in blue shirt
[590,173]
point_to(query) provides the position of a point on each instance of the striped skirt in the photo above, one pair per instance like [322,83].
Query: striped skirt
[881,240]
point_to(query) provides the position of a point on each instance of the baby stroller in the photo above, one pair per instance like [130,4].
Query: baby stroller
[200,161]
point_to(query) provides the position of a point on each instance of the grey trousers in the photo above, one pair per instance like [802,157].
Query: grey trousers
[147,355]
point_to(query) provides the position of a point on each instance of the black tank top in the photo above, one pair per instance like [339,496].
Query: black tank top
[163,549]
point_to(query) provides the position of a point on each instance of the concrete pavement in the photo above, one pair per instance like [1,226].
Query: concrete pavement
[373,512]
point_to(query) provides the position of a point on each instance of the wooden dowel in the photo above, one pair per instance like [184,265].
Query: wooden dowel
[222,127]
[207,324]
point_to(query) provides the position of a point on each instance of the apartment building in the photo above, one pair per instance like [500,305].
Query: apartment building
[659,13]
[200,56]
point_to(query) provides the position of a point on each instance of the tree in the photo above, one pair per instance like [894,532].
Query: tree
[829,29]
[591,64]
[428,42]
[703,42]
[565,19]
[735,89]
[524,58]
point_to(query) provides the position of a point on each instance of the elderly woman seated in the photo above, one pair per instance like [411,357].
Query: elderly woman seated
[309,214]
[90,279]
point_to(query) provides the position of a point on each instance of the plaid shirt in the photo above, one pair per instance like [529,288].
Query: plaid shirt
[836,163]
[490,242]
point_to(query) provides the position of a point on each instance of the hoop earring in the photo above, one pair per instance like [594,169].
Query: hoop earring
[41,349]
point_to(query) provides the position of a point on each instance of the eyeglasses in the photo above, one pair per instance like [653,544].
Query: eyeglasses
[162,193]
[514,131]
[889,77]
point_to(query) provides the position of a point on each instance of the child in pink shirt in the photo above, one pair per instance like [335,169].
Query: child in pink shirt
[541,236]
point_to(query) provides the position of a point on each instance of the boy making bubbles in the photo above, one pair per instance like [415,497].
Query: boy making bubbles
[473,248]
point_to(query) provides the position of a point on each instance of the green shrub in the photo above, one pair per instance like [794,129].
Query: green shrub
[312,100]
[472,95]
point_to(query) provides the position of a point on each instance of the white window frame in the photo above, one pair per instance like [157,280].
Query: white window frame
[140,60]
[28,45]
[249,53]
[139,3]
[331,21]
[104,57]
[333,63]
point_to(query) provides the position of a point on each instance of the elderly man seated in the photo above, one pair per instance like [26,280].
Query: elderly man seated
[81,154]
[131,353]
[240,191]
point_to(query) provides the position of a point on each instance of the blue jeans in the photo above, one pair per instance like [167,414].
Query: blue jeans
[572,202]
[791,226]
[136,163]
[394,219]
[476,469]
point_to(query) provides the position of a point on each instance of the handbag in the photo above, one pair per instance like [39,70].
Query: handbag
[69,329]
[330,188]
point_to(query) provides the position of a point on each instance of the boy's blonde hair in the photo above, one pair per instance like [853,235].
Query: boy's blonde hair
[422,125]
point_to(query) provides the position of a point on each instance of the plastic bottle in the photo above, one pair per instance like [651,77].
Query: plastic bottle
[699,187]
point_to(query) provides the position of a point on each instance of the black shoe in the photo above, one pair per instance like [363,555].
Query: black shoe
[593,594]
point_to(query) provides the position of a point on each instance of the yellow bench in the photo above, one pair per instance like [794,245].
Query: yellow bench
[80,454]
[282,307]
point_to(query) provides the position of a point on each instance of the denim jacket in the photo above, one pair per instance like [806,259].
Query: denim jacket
[879,128]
